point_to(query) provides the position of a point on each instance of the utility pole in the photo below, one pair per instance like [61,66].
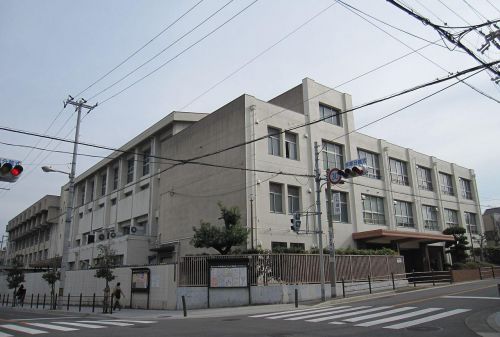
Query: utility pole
[331,243]
[319,229]
[71,193]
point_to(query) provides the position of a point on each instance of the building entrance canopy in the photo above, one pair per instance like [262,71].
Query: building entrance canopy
[383,236]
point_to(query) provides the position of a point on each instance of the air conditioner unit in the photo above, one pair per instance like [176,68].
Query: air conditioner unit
[112,235]
[133,229]
[102,237]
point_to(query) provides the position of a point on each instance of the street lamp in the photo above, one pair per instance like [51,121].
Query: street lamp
[50,169]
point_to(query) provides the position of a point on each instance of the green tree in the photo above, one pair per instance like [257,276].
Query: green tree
[221,238]
[51,276]
[105,262]
[15,275]
[459,247]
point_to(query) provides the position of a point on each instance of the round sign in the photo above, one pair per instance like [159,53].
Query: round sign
[334,176]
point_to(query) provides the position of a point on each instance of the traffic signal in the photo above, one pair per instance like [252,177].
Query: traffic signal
[10,170]
[296,222]
[353,171]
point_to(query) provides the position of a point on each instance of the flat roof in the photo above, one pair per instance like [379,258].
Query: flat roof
[400,236]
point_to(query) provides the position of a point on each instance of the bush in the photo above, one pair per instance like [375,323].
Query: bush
[492,254]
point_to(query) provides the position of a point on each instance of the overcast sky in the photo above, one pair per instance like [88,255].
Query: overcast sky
[49,49]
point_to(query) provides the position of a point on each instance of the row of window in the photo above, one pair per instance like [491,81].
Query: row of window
[37,256]
[32,240]
[115,171]
[373,209]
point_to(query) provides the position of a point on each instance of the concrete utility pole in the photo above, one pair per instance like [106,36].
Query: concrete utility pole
[319,229]
[331,243]
[71,192]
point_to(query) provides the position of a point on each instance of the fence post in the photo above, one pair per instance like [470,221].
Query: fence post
[393,283]
[44,296]
[343,287]
[414,279]
[8,299]
[37,300]
[93,303]
[80,303]
[480,274]
[369,284]
[111,305]
[31,302]
[55,302]
[184,309]
[3,299]
[296,298]
[433,280]
[492,273]
[67,304]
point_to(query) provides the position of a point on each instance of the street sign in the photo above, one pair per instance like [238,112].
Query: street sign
[333,176]
[355,162]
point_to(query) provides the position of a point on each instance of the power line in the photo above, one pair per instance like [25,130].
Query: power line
[141,48]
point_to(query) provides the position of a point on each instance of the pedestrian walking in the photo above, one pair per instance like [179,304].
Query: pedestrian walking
[21,293]
[117,293]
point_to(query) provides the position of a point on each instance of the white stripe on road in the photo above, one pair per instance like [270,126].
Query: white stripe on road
[107,322]
[325,313]
[52,327]
[288,311]
[378,314]
[473,297]
[81,325]
[426,319]
[294,313]
[5,334]
[43,318]
[346,315]
[399,317]
[22,329]
[131,321]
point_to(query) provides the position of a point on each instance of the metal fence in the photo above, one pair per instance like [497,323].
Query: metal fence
[267,269]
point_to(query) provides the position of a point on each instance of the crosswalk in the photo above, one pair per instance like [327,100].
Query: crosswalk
[36,328]
[365,316]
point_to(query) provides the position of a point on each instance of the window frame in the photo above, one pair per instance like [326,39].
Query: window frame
[293,199]
[466,188]
[429,222]
[424,178]
[403,214]
[372,163]
[400,174]
[130,170]
[334,117]
[274,196]
[103,176]
[446,183]
[289,145]
[448,215]
[338,157]
[471,226]
[377,216]
[146,155]
[273,141]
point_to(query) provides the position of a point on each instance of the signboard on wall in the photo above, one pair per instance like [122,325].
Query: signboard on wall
[140,279]
[228,276]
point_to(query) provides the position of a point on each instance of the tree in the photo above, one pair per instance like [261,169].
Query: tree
[52,276]
[221,238]
[15,276]
[459,247]
[106,260]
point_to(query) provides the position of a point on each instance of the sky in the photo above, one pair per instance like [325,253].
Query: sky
[51,49]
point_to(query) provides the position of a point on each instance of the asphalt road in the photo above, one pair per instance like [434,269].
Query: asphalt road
[442,311]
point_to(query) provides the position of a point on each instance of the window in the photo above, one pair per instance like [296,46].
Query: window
[330,115]
[297,247]
[273,142]
[130,170]
[333,156]
[113,202]
[145,161]
[277,246]
[275,198]
[82,193]
[470,222]
[399,174]
[451,217]
[373,168]
[446,183]
[91,190]
[115,177]
[465,186]
[293,199]
[430,217]
[404,214]
[103,184]
[373,210]
[291,146]
[424,178]
[339,207]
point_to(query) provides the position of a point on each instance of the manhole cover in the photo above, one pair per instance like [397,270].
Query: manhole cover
[424,328]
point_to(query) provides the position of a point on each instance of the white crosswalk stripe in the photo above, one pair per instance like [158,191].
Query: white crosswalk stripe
[20,328]
[52,327]
[107,323]
[81,325]
[133,321]
[367,316]
[338,311]
[2,334]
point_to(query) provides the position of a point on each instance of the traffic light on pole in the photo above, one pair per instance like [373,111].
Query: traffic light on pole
[10,170]
[352,172]
[296,222]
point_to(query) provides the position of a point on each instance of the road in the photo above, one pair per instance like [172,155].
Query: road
[454,310]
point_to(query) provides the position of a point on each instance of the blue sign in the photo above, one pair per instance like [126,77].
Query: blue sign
[355,162]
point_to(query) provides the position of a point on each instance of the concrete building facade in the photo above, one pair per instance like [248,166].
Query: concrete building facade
[491,220]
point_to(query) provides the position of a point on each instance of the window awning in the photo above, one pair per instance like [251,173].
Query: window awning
[387,236]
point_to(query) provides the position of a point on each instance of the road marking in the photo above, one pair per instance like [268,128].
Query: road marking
[43,318]
[473,297]
[288,311]
[346,315]
[324,313]
[52,327]
[291,314]
[81,325]
[131,321]
[108,323]
[426,319]
[22,329]
[378,314]
[5,334]
[397,318]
